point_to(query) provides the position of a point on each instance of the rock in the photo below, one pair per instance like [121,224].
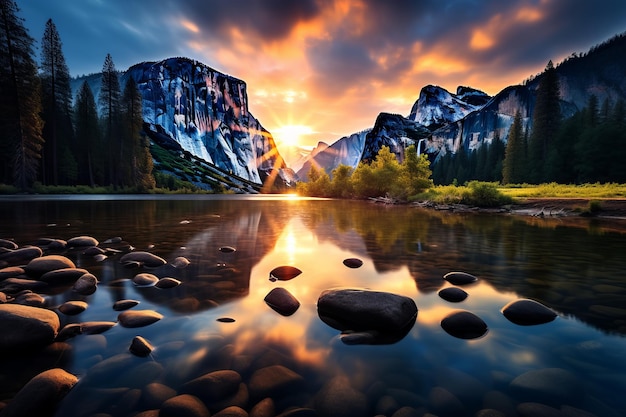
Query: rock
[52,244]
[121,305]
[8,244]
[388,317]
[39,266]
[282,301]
[227,249]
[239,399]
[11,272]
[155,394]
[184,405]
[29,298]
[145,279]
[232,411]
[407,411]
[143,258]
[180,262]
[453,294]
[72,308]
[14,285]
[68,331]
[353,262]
[140,347]
[460,278]
[96,327]
[444,403]
[138,318]
[464,325]
[299,412]
[93,251]
[21,256]
[24,327]
[225,319]
[80,241]
[167,282]
[490,412]
[527,312]
[339,399]
[553,386]
[41,395]
[284,273]
[264,408]
[274,381]
[213,386]
[63,276]
[537,410]
[86,284]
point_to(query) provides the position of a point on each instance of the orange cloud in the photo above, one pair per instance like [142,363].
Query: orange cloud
[481,40]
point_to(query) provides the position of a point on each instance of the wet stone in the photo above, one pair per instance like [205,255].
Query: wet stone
[453,294]
[11,272]
[21,256]
[145,279]
[167,282]
[155,394]
[72,308]
[284,273]
[282,301]
[213,386]
[143,258]
[41,265]
[138,318]
[63,276]
[96,327]
[464,325]
[121,305]
[445,403]
[68,331]
[460,278]
[226,320]
[93,251]
[25,327]
[528,312]
[184,405]
[140,347]
[353,262]
[86,284]
[553,386]
[227,249]
[274,381]
[80,241]
[339,399]
[180,262]
[29,298]
[8,244]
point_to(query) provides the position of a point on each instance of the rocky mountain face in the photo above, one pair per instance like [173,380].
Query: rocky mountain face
[206,113]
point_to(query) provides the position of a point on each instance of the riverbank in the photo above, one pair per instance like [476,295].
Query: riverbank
[607,208]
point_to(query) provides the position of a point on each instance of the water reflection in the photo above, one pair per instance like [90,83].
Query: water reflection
[575,267]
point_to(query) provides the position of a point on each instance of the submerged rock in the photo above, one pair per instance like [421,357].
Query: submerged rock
[464,325]
[282,301]
[528,312]
[552,386]
[453,294]
[385,316]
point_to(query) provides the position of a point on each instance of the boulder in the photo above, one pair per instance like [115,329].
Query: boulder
[387,317]
[528,312]
[25,327]
[282,301]
[464,325]
[41,395]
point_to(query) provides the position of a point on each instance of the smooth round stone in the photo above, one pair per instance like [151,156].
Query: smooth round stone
[72,308]
[21,255]
[445,403]
[460,278]
[528,312]
[184,405]
[140,347]
[93,251]
[464,325]
[52,244]
[138,318]
[112,240]
[227,249]
[339,399]
[282,301]
[273,380]
[121,305]
[145,279]
[39,266]
[553,386]
[180,262]
[353,262]
[143,258]
[167,282]
[41,394]
[63,276]
[29,298]
[68,331]
[25,327]
[96,327]
[155,394]
[213,386]
[226,320]
[284,273]
[11,272]
[538,410]
[453,294]
[8,244]
[86,284]
[19,284]
[80,241]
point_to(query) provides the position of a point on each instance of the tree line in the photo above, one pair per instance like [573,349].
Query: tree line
[49,138]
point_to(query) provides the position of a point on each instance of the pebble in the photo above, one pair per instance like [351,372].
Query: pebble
[282,301]
[213,386]
[138,318]
[274,381]
[528,312]
[143,258]
[155,394]
[39,266]
[80,241]
[353,262]
[121,305]
[96,327]
[167,282]
[26,327]
[21,256]
[140,347]
[184,405]
[464,325]
[145,279]
[284,273]
[72,308]
[86,284]
[11,272]
[338,398]
[63,276]
[180,262]
[453,294]
[460,278]
[227,249]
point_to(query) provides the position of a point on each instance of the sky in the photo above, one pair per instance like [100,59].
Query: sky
[318,70]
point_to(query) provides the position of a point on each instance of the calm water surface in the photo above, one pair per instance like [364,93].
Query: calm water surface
[576,267]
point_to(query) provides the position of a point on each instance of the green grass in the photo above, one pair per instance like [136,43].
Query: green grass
[554,190]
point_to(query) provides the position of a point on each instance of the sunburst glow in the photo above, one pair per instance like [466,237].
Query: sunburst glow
[291,135]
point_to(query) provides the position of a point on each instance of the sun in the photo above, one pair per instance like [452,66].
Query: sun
[291,135]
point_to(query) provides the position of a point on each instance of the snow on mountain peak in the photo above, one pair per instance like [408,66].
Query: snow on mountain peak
[436,106]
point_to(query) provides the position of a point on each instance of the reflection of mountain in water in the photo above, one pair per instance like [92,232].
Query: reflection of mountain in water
[543,261]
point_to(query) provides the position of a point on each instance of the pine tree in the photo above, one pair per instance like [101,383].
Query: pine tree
[135,153]
[514,165]
[20,102]
[109,99]
[56,105]
[545,122]
[88,138]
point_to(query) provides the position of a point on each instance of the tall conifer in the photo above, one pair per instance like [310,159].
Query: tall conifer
[515,164]
[88,135]
[20,102]
[109,99]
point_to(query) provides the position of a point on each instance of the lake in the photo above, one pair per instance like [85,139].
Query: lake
[217,319]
